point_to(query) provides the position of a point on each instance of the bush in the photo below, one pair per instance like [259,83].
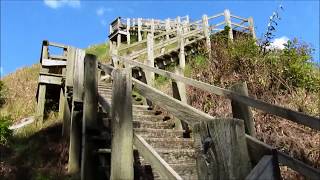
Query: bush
[5,132]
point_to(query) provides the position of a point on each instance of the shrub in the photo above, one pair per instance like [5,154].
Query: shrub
[5,132]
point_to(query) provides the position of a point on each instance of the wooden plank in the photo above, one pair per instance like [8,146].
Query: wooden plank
[298,117]
[70,66]
[41,102]
[59,57]
[263,170]
[50,80]
[49,62]
[223,152]
[150,59]
[242,111]
[238,17]
[304,169]
[74,161]
[205,27]
[122,126]
[180,110]
[105,104]
[89,121]
[66,118]
[78,75]
[57,45]
[152,157]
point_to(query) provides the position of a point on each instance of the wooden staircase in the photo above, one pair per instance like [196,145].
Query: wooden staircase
[159,131]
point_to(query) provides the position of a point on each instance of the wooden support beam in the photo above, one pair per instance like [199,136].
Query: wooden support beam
[151,156]
[89,121]
[227,19]
[221,150]
[205,27]
[61,103]
[152,28]
[139,29]
[41,103]
[70,66]
[122,126]
[118,40]
[168,28]
[44,79]
[242,111]
[128,31]
[49,62]
[74,163]
[263,170]
[150,59]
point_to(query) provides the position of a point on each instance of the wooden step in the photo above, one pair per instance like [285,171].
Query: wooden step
[160,133]
[150,124]
[170,142]
[177,156]
[154,118]
[186,171]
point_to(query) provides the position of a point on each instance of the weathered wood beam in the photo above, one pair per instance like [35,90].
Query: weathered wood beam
[89,121]
[152,157]
[263,170]
[49,62]
[221,150]
[44,79]
[122,126]
[242,111]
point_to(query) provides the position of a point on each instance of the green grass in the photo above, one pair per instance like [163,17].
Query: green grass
[101,51]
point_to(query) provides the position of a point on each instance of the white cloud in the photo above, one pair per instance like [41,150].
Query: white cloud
[55,4]
[103,22]
[278,43]
[102,10]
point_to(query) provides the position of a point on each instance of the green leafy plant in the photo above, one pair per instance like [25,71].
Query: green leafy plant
[5,132]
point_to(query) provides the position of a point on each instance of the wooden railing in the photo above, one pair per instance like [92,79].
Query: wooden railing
[258,151]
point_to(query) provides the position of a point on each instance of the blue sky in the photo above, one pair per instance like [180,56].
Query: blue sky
[24,24]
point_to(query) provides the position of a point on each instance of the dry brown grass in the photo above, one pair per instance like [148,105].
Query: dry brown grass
[21,88]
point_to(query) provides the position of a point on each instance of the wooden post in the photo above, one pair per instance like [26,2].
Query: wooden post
[76,114]
[227,19]
[168,28]
[178,88]
[221,149]
[42,87]
[118,40]
[251,27]
[139,29]
[150,60]
[152,27]
[122,126]
[115,60]
[110,29]
[205,27]
[89,121]
[242,111]
[61,102]
[128,31]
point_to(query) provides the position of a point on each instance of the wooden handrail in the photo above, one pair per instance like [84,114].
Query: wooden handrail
[238,17]
[215,16]
[283,112]
[152,157]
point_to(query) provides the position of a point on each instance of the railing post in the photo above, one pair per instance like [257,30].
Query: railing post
[251,27]
[128,31]
[114,53]
[221,149]
[150,59]
[89,121]
[122,126]
[139,29]
[168,28]
[227,18]
[152,27]
[42,87]
[242,111]
[179,88]
[205,27]
[74,163]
